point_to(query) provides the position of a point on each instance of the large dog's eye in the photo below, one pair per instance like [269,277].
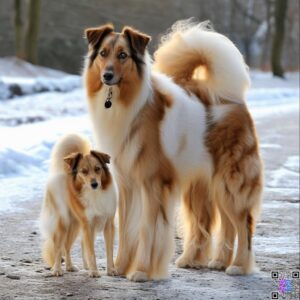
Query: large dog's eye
[103,53]
[122,55]
[97,169]
[84,171]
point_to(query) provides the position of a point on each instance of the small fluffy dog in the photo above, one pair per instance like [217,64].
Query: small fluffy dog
[178,128]
[80,196]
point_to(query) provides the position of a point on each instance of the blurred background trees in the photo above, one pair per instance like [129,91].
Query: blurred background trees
[27,21]
[278,38]
[51,32]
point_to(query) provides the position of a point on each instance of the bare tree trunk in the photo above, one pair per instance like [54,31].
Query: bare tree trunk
[232,17]
[32,31]
[264,60]
[18,30]
[280,13]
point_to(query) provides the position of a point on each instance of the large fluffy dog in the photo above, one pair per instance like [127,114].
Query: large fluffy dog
[182,130]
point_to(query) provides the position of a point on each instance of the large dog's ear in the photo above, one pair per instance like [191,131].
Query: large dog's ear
[138,41]
[96,35]
[72,161]
[102,157]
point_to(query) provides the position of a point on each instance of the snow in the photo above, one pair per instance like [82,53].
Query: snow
[264,102]
[19,78]
[14,87]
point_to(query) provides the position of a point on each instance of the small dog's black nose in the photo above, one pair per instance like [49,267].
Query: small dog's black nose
[108,76]
[94,184]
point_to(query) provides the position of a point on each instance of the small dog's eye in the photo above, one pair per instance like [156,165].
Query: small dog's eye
[97,169]
[84,171]
[102,53]
[122,55]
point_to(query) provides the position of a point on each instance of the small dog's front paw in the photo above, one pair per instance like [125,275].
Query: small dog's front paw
[138,276]
[57,272]
[72,268]
[112,272]
[94,274]
[235,270]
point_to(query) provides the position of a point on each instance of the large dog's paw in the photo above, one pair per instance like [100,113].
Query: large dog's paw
[138,276]
[216,265]
[235,270]
[186,262]
[119,271]
[183,262]
[57,272]
[85,265]
[196,264]
[112,272]
[72,268]
[94,274]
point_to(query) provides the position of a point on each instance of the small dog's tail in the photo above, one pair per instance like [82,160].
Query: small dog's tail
[68,144]
[203,61]
[48,252]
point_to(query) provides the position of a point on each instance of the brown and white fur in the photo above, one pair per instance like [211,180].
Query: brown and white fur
[181,130]
[80,196]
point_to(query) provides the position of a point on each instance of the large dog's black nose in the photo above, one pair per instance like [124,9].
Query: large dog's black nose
[94,185]
[108,76]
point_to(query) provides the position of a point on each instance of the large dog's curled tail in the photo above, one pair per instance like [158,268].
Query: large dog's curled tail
[193,54]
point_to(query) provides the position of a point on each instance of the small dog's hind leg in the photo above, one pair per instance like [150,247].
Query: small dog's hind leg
[70,238]
[58,242]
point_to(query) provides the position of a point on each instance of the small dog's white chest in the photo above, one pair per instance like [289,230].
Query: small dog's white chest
[99,203]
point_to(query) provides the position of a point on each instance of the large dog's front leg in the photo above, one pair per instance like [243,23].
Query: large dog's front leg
[156,243]
[129,212]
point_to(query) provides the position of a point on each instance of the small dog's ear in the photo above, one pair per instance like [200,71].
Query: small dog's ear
[137,40]
[102,157]
[96,35]
[72,160]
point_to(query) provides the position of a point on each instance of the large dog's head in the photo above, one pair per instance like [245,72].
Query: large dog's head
[116,58]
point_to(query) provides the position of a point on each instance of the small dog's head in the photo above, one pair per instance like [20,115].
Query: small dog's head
[116,55]
[89,171]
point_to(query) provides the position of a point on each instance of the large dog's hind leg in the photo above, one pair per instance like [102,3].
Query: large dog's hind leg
[198,215]
[156,241]
[244,260]
[225,245]
[129,212]
[238,204]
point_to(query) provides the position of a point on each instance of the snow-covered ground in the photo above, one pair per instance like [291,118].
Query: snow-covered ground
[54,104]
